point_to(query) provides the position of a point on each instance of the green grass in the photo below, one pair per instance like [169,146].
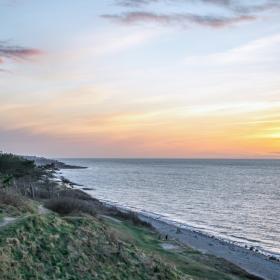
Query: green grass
[190,262]
[50,247]
[1,215]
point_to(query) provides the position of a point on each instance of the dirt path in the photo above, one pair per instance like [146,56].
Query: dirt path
[10,220]
[42,210]
[6,221]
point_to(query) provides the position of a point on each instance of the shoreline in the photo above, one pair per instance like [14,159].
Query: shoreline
[253,262]
[120,240]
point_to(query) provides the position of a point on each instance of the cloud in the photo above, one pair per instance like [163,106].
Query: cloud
[238,6]
[16,52]
[116,42]
[237,12]
[183,19]
[258,52]
[249,9]
[139,3]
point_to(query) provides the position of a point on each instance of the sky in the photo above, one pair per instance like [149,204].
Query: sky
[140,78]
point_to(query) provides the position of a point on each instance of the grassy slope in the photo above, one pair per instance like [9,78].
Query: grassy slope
[83,247]
[51,247]
[188,261]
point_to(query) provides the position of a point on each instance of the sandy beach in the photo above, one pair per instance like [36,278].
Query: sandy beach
[253,262]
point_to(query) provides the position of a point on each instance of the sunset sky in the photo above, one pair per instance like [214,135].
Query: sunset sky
[146,78]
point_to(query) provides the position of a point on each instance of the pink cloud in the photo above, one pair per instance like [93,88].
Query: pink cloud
[182,19]
[16,52]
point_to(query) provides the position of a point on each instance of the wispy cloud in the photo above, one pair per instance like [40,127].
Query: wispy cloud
[184,19]
[116,42]
[238,6]
[16,52]
[139,3]
[261,51]
[249,9]
[237,12]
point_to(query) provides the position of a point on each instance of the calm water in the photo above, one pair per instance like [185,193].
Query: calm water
[238,200]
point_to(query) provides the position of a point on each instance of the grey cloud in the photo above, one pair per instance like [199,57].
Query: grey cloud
[238,11]
[250,9]
[184,19]
[15,52]
[239,6]
[138,3]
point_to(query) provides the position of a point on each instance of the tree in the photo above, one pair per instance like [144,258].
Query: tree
[7,181]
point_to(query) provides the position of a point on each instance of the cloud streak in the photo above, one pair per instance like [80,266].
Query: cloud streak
[249,9]
[16,52]
[139,3]
[229,4]
[237,12]
[184,19]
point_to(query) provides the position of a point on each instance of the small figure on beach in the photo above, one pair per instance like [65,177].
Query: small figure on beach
[166,237]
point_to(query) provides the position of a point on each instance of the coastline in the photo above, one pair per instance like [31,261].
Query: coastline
[120,241]
[253,262]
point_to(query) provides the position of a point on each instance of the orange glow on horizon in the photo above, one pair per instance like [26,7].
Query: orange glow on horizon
[186,132]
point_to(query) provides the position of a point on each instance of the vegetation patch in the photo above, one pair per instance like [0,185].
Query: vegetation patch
[189,262]
[50,247]
[14,204]
[84,239]
[69,205]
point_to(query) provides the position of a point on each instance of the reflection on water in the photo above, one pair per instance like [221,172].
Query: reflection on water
[234,199]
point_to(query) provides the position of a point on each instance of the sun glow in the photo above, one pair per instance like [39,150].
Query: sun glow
[140,85]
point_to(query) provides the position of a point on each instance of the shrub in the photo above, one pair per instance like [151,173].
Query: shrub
[77,194]
[14,200]
[68,205]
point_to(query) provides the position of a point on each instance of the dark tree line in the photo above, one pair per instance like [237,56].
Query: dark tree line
[24,176]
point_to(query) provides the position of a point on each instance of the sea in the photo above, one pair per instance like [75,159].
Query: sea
[234,200]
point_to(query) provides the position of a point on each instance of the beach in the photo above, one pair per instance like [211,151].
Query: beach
[200,193]
[118,239]
[253,262]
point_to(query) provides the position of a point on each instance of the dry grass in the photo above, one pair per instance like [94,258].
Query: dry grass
[14,200]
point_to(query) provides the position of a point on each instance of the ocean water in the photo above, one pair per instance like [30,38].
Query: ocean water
[236,200]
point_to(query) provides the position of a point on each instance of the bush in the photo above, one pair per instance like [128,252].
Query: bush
[14,200]
[77,194]
[68,205]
